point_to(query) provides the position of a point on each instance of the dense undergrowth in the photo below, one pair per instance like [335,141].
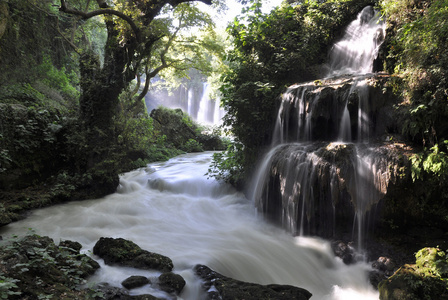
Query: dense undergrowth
[416,52]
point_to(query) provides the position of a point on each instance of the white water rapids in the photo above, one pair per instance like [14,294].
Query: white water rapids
[173,209]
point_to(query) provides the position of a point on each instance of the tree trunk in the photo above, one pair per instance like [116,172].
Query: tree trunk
[101,88]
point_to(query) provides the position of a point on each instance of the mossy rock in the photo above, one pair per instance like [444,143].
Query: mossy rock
[171,283]
[135,282]
[34,267]
[427,279]
[128,254]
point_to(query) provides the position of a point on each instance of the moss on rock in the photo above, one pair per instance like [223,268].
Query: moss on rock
[34,267]
[426,279]
[126,253]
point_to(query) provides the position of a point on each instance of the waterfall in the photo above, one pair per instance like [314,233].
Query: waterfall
[356,51]
[321,172]
[210,111]
[195,102]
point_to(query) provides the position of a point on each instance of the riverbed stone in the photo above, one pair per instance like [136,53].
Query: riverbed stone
[221,287]
[118,251]
[109,292]
[133,282]
[171,283]
[344,251]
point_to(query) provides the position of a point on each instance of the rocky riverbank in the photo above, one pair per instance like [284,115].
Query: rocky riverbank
[35,267]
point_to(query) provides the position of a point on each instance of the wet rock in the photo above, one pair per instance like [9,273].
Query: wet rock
[343,251]
[384,264]
[171,283]
[128,254]
[222,287]
[135,282]
[74,246]
[383,268]
[114,293]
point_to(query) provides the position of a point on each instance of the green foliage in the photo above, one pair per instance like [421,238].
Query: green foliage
[433,163]
[61,80]
[28,138]
[31,34]
[192,146]
[24,94]
[427,279]
[8,287]
[228,165]
[417,50]
[432,262]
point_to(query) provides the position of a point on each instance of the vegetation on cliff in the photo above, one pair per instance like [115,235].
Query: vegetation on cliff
[426,279]
[416,52]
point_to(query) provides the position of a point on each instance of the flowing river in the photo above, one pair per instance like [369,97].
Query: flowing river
[172,208]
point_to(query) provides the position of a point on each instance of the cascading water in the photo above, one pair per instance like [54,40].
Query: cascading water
[172,208]
[356,51]
[194,101]
[210,111]
[315,179]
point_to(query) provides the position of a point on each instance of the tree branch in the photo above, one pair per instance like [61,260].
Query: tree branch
[106,11]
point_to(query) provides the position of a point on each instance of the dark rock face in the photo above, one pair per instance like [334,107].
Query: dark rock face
[171,283]
[318,188]
[135,282]
[225,288]
[126,253]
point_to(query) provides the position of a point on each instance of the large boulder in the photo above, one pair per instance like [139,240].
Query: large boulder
[128,254]
[221,287]
[182,132]
[426,279]
[171,283]
[133,282]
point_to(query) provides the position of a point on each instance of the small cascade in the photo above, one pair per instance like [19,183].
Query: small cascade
[357,50]
[321,175]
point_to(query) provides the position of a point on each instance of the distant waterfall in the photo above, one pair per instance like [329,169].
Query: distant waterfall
[196,102]
[210,111]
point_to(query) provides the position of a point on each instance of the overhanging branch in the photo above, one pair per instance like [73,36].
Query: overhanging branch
[105,11]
